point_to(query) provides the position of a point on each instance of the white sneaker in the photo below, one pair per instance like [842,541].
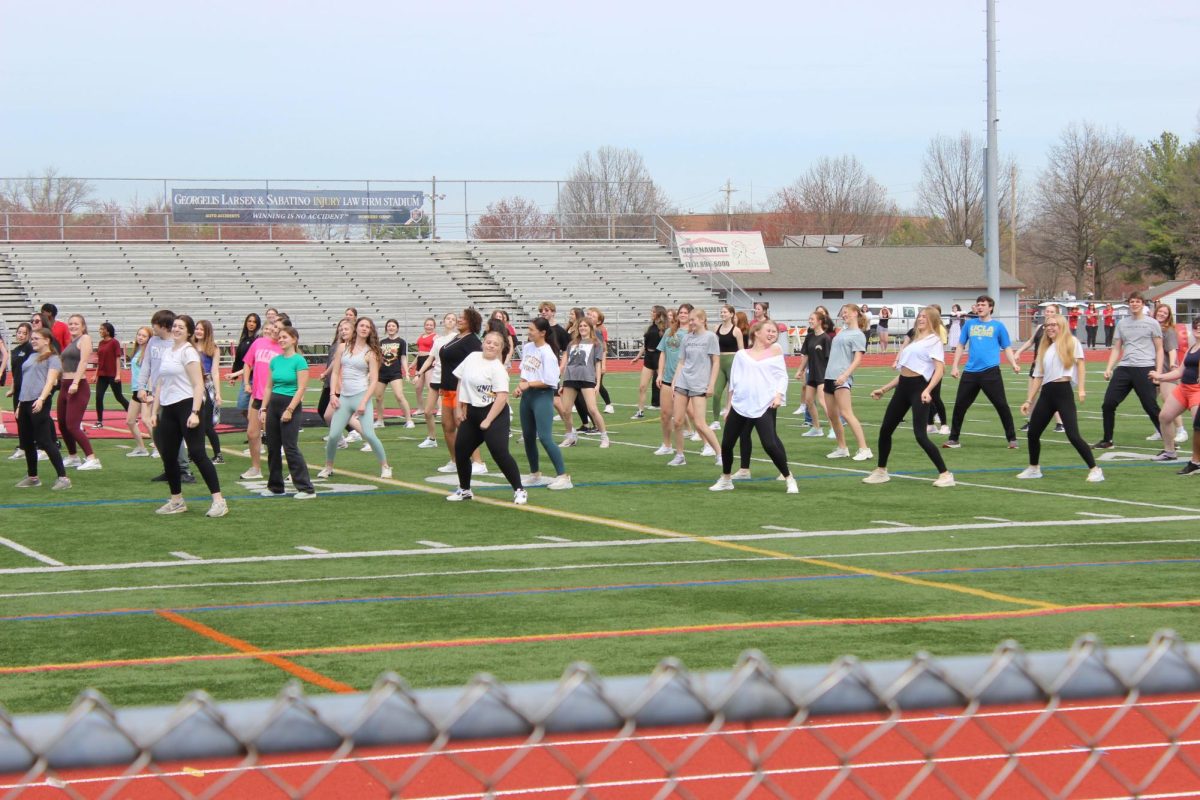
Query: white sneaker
[366,448]
[385,472]
[410,424]
[1180,435]
[1155,437]
[217,509]
[792,488]
[944,430]
[604,440]
[840,452]
[944,481]
[90,464]
[1029,474]
[1095,475]
[154,453]
[878,475]
[378,423]
[694,436]
[831,434]
[800,409]
[72,461]
[458,495]
[478,468]
[715,426]
[251,474]
[570,440]
[677,461]
[325,472]
[19,455]
[171,507]
[530,481]
[608,409]
[741,475]
[560,482]
[448,467]
[723,484]
[663,450]
[353,436]
[429,442]
[708,451]
[343,444]
[864,454]
[304,496]
[520,497]
[813,433]
[42,456]
[639,415]
[931,428]
[138,452]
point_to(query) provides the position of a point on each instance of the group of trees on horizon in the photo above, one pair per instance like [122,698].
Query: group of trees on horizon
[1104,212]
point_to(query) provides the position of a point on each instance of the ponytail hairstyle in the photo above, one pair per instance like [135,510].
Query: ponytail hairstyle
[53,348]
[861,321]
[543,325]
[742,323]
[505,345]
[758,326]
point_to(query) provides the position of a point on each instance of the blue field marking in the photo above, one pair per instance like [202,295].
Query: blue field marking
[589,589]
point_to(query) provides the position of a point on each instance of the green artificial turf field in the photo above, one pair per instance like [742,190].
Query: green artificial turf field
[638,563]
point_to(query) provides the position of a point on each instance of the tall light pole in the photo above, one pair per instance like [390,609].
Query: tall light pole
[991,197]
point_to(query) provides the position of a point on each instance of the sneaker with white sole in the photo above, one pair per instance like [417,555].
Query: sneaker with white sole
[304,495]
[1163,455]
[570,440]
[530,481]
[385,472]
[378,423]
[172,507]
[28,482]
[741,475]
[608,409]
[410,424]
[840,452]
[878,475]
[60,484]
[1155,437]
[708,451]
[677,461]
[520,497]
[944,481]
[1029,474]
[723,484]
[325,472]
[831,434]
[951,444]
[218,509]
[944,430]
[1095,475]
[792,488]
[429,443]
[1180,435]
[447,468]
[639,415]
[663,450]
[366,448]
[478,468]
[604,441]
[715,425]
[800,409]
[353,436]
[560,482]
[342,444]
[19,455]
[251,474]
[863,454]
[138,452]
[458,495]
[90,463]
[695,436]
[813,433]
[72,461]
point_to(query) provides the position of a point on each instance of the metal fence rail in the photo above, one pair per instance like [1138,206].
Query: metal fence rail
[851,729]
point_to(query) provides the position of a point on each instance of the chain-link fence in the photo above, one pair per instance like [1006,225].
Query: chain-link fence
[1088,722]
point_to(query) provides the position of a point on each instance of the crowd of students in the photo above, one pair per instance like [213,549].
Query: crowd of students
[730,378]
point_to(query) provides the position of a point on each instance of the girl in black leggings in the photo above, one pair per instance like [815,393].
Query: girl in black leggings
[921,363]
[1058,364]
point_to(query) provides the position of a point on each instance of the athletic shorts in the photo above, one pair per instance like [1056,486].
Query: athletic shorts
[815,384]
[421,359]
[256,404]
[387,377]
[688,392]
[449,398]
[1188,394]
[832,386]
[437,387]
[577,385]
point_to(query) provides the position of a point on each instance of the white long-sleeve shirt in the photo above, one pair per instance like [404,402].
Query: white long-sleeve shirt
[756,383]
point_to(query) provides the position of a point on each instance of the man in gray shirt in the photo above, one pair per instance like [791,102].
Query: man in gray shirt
[1139,346]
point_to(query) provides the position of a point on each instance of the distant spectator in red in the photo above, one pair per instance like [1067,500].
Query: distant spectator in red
[1091,320]
[1110,324]
[59,330]
[1073,319]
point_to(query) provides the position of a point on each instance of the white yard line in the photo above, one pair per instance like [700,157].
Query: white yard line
[779,528]
[890,522]
[429,543]
[994,519]
[309,549]
[26,551]
[972,526]
[185,556]
[1094,514]
[552,538]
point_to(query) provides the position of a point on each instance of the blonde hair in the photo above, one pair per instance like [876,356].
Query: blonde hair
[1064,344]
[933,316]
[862,320]
[702,315]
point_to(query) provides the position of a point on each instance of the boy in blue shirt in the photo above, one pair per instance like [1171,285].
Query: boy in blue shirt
[986,338]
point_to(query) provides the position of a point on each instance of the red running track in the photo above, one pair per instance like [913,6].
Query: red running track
[1156,741]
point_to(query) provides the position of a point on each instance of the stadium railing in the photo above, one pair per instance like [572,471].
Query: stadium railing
[1088,721]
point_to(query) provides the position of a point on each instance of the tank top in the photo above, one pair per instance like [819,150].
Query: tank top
[726,341]
[355,372]
[425,343]
[1191,366]
[70,357]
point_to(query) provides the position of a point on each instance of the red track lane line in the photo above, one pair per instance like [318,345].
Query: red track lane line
[390,647]
[303,673]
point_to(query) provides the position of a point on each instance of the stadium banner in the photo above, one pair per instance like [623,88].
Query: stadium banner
[348,207]
[722,251]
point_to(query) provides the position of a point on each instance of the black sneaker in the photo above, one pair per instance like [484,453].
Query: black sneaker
[187,477]
[1163,455]
[160,478]
[218,459]
[1189,468]
[589,429]
[1025,428]
[1103,444]
[1059,428]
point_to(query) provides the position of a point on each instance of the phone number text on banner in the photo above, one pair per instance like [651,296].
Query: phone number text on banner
[211,206]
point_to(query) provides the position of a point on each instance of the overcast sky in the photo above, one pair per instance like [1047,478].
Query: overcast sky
[751,91]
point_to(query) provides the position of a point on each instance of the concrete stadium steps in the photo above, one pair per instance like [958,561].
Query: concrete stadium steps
[15,306]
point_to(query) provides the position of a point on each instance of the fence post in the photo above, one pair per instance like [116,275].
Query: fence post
[114,218]
[167,226]
[62,233]
[7,229]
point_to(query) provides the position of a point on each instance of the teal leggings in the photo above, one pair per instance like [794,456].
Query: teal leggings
[341,417]
[718,398]
[537,425]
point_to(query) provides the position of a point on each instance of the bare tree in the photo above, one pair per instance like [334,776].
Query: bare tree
[836,195]
[514,218]
[1079,198]
[609,194]
[48,193]
[951,191]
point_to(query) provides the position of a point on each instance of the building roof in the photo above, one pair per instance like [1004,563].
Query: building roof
[893,267]
[1164,289]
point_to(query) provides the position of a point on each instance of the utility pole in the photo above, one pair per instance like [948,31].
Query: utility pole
[991,221]
[728,190]
[1012,221]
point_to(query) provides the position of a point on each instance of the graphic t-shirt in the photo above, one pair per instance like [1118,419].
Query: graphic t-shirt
[696,361]
[479,380]
[395,354]
[582,359]
[816,347]
[671,346]
[259,358]
[539,365]
[986,340]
